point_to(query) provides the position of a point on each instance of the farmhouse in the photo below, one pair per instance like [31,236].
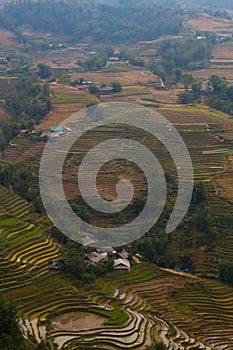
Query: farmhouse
[121,264]
[161,88]
[56,129]
[105,89]
[113,58]
[94,258]
[105,250]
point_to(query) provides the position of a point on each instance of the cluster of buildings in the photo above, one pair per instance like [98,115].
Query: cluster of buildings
[55,131]
[120,262]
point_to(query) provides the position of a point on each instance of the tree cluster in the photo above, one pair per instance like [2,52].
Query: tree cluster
[27,105]
[218,93]
[104,22]
[225,272]
[181,54]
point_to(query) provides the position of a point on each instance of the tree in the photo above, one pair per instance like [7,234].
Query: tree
[185,97]
[10,334]
[92,89]
[42,346]
[187,80]
[225,272]
[219,84]
[157,346]
[116,86]
[44,71]
[230,93]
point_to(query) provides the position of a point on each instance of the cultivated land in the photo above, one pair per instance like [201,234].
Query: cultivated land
[207,23]
[6,38]
[124,310]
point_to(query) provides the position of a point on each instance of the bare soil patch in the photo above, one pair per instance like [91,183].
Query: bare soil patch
[6,38]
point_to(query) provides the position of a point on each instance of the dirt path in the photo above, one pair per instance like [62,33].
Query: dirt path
[180,273]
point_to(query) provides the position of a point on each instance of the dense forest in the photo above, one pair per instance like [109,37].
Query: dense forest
[28,103]
[127,22]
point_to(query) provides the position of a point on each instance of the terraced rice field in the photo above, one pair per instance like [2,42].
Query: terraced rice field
[208,150]
[148,298]
[133,309]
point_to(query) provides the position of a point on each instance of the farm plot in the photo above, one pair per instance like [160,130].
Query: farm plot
[128,310]
[145,296]
[208,151]
[24,149]
[6,38]
[205,74]
[223,51]
[209,23]
[66,101]
[132,77]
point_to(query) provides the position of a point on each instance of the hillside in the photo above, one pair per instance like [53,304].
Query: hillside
[163,290]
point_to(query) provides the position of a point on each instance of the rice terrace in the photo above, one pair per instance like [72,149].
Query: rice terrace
[164,290]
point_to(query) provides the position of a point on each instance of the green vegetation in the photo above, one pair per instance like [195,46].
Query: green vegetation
[115,317]
[183,309]
[45,273]
[10,335]
[181,54]
[28,103]
[225,270]
[218,94]
[21,178]
[157,346]
[65,98]
[44,71]
[126,22]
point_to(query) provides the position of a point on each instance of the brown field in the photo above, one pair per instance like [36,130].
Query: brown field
[224,184]
[58,114]
[36,34]
[223,51]
[210,23]
[169,96]
[125,78]
[204,74]
[64,89]
[143,44]
[188,115]
[59,58]
[6,38]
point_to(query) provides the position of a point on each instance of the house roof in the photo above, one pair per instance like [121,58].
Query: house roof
[106,88]
[55,128]
[105,250]
[95,257]
[121,263]
[123,254]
